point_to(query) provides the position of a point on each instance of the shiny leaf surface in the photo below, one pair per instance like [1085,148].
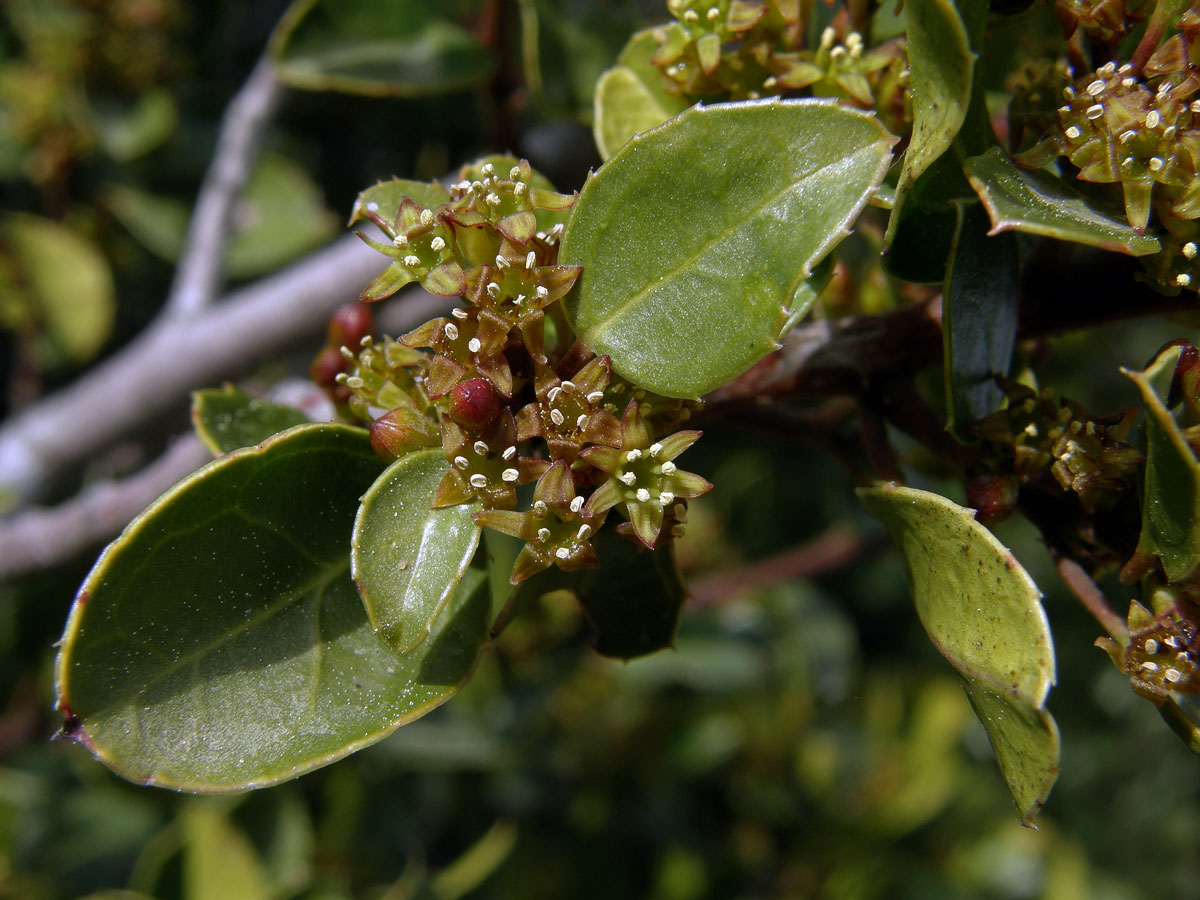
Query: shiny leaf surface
[227,419]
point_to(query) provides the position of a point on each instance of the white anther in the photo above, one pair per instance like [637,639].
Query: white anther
[1189,249]
[1151,646]
[627,478]
[691,15]
[354,382]
[510,475]
[576,504]
[1171,641]
[1169,133]
[553,394]
[568,385]
[458,313]
[1127,136]
[1095,88]
[1153,118]
[437,245]
[1068,93]
[1095,111]
[492,199]
[1108,68]
[713,14]
[461,461]
[477,186]
[1073,133]
[1155,164]
[474,345]
[488,169]
[451,331]
[539,508]
[400,240]
[481,448]
[502,262]
[1173,675]
[493,289]
[1127,67]
[583,532]
[1195,106]
[642,495]
[655,449]
[771,83]
[581,420]
[514,173]
[837,52]
[1183,279]
[633,454]
[412,261]
[530,259]
[427,217]
[666,498]
[595,397]
[478,480]
[1149,666]
[557,417]
[668,468]
[542,293]
[562,552]
[1128,82]
[828,36]
[519,188]
[1127,162]
[509,453]
[543,534]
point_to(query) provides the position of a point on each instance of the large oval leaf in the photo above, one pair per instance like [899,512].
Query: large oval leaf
[219,644]
[983,613]
[227,419]
[695,237]
[407,558]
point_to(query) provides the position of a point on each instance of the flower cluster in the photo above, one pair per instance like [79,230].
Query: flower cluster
[744,49]
[1084,454]
[1118,129]
[500,383]
[1163,652]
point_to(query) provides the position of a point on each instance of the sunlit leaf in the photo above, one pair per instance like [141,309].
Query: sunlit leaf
[219,644]
[631,97]
[407,558]
[228,419]
[219,862]
[1036,202]
[983,613]
[696,236]
[397,48]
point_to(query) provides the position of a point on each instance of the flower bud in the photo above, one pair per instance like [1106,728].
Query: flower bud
[349,324]
[326,367]
[474,404]
[401,431]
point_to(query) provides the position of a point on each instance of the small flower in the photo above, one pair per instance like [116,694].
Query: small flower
[644,480]
[487,467]
[568,414]
[556,529]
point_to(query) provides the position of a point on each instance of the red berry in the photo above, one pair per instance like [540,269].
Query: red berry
[349,324]
[993,496]
[326,367]
[474,404]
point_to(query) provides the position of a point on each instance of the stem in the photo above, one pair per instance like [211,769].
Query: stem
[1092,598]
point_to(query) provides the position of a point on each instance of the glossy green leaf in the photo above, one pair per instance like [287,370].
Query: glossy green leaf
[398,48]
[383,199]
[631,97]
[219,862]
[219,644]
[983,613]
[1035,202]
[1171,499]
[280,216]
[979,318]
[942,64]
[227,419]
[696,236]
[68,280]
[407,558]
[921,234]
[1026,743]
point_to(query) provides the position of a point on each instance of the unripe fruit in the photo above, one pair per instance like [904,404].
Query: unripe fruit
[326,367]
[401,431]
[349,324]
[474,404]
[993,496]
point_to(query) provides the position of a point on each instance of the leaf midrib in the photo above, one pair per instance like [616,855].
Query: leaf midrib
[594,335]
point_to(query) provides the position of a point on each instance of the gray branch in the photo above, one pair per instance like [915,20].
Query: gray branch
[200,266]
